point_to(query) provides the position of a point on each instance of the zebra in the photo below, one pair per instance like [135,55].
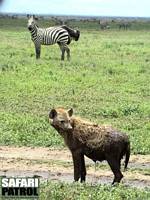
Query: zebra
[124,25]
[62,35]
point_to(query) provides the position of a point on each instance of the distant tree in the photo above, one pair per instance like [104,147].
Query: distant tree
[63,22]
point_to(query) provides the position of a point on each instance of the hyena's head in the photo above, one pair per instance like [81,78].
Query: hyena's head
[61,119]
[31,22]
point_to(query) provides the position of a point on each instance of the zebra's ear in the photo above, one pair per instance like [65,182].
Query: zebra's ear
[34,17]
[28,16]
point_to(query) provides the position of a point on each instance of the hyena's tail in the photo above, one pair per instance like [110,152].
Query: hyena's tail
[75,34]
[127,155]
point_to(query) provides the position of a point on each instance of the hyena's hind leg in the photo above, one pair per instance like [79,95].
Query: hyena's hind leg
[114,164]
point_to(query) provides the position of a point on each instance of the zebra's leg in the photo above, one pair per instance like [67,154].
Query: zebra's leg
[37,51]
[68,52]
[62,51]
[63,54]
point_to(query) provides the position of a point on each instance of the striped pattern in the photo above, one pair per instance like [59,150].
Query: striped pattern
[49,36]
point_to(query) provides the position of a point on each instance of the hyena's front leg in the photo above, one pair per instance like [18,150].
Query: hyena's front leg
[83,168]
[38,50]
[79,166]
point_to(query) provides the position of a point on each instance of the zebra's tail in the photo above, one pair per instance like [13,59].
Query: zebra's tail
[73,33]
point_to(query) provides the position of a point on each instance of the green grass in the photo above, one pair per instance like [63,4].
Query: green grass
[61,191]
[106,81]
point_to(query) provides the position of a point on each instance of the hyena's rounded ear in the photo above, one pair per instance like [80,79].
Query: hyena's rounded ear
[70,112]
[52,113]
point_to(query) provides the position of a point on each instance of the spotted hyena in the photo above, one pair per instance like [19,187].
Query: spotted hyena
[92,140]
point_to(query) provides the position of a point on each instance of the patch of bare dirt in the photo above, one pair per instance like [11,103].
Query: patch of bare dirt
[56,165]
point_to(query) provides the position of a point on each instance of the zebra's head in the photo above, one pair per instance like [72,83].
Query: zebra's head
[31,22]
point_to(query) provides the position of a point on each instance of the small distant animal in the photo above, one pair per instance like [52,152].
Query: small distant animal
[104,25]
[62,35]
[124,25]
[97,142]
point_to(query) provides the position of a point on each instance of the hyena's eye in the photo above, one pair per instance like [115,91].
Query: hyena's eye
[62,121]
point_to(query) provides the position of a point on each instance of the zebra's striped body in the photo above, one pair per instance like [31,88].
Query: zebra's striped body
[49,36]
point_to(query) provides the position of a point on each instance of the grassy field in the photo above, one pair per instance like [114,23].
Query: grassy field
[61,191]
[106,81]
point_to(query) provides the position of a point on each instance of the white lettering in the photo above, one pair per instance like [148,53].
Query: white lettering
[30,182]
[36,182]
[12,182]
[20,182]
[23,183]
[4,182]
